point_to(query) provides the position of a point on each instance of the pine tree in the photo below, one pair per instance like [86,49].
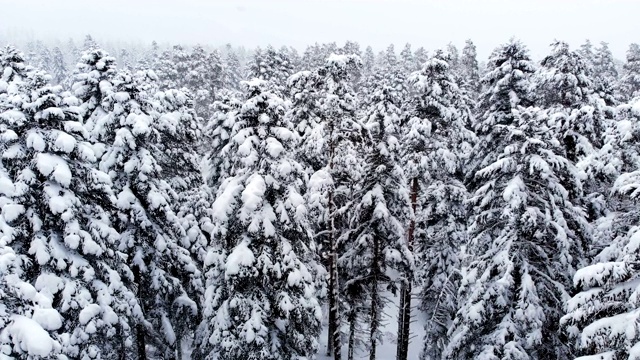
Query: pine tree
[407,60]
[351,48]
[580,116]
[602,317]
[89,44]
[64,289]
[629,86]
[564,86]
[438,145]
[13,65]
[232,69]
[218,133]
[470,70]
[586,51]
[173,68]
[58,67]
[605,74]
[92,80]
[313,57]
[368,61]
[376,239]
[262,293]
[333,144]
[134,132]
[421,56]
[525,245]
[506,86]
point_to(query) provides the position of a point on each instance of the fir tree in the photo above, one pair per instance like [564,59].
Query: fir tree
[629,86]
[470,70]
[134,132]
[64,287]
[601,318]
[580,117]
[421,56]
[438,147]
[338,135]
[605,74]
[368,61]
[507,85]
[376,242]
[58,67]
[232,69]
[525,245]
[406,59]
[262,292]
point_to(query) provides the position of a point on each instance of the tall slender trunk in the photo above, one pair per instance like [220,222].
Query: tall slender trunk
[333,342]
[375,298]
[352,333]
[404,318]
[178,349]
[140,330]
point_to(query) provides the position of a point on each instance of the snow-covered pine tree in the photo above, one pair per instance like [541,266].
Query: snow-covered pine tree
[313,57]
[61,290]
[305,117]
[407,60]
[586,51]
[602,317]
[564,87]
[233,71]
[376,237]
[421,56]
[525,246]
[173,68]
[470,70]
[201,70]
[294,59]
[133,131]
[126,59]
[389,59]
[92,80]
[150,58]
[507,85]
[438,144]
[217,133]
[629,87]
[350,48]
[579,115]
[368,61]
[605,74]
[58,67]
[89,44]
[261,300]
[332,144]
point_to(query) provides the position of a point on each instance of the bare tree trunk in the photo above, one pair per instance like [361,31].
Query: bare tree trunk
[404,318]
[333,344]
[352,334]
[375,299]
[140,330]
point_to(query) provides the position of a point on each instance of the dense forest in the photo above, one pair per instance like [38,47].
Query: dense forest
[194,202]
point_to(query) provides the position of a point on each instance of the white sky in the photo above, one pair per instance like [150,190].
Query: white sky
[428,23]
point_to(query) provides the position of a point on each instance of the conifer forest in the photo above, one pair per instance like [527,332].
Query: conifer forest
[334,202]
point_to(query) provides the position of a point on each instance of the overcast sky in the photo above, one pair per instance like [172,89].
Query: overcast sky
[428,23]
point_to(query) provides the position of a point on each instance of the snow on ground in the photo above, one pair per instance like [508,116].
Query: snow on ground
[387,350]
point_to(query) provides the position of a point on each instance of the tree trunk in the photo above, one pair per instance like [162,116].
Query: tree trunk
[352,334]
[404,318]
[375,298]
[333,342]
[140,330]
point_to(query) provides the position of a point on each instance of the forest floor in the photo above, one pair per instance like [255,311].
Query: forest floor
[387,350]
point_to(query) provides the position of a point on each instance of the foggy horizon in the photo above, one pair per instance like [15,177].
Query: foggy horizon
[249,23]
